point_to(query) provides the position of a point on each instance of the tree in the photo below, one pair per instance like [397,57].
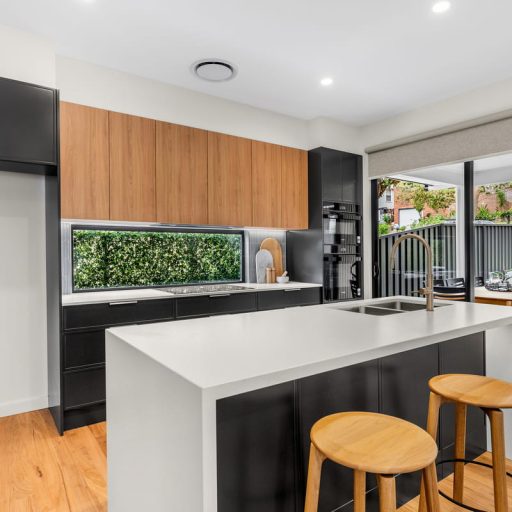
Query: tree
[419,199]
[414,193]
[441,199]
[385,183]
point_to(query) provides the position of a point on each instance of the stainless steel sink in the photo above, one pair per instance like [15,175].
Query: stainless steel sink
[405,306]
[370,310]
[392,307]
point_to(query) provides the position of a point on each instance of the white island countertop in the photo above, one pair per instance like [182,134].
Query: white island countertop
[164,382]
[232,354]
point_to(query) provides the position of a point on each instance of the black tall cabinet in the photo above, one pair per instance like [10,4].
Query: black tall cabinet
[29,143]
[330,251]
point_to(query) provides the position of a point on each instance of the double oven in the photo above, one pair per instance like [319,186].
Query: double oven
[342,246]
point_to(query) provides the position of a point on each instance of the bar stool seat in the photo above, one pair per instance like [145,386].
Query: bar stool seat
[372,443]
[491,395]
[474,390]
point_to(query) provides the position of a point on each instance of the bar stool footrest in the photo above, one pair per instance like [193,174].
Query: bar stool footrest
[466,461]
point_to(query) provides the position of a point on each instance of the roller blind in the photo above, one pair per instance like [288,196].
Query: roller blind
[481,137]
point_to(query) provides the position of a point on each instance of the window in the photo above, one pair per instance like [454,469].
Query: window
[106,258]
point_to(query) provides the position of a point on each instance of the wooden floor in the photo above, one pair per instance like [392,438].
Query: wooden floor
[41,471]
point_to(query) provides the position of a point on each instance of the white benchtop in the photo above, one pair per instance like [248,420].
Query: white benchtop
[226,355]
[81,298]
[164,381]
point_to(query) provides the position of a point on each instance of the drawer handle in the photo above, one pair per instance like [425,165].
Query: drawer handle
[219,295]
[292,290]
[123,303]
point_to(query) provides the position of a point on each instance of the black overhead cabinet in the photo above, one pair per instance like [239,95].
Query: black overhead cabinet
[28,128]
[330,252]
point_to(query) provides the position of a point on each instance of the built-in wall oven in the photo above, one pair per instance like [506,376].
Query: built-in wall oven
[342,232]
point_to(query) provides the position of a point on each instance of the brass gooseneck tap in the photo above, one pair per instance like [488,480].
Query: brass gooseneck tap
[428,290]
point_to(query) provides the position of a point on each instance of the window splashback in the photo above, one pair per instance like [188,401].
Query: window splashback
[114,258]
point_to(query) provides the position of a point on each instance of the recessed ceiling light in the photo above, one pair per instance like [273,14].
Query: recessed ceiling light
[440,7]
[326,81]
[214,70]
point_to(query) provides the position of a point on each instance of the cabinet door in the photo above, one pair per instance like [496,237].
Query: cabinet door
[294,189]
[405,394]
[217,304]
[29,125]
[181,174]
[355,388]
[266,184]
[462,355]
[351,178]
[256,451]
[229,180]
[84,169]
[132,168]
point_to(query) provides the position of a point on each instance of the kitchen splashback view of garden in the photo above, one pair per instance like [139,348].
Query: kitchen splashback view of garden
[106,259]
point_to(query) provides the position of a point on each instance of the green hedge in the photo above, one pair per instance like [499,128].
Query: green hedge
[120,259]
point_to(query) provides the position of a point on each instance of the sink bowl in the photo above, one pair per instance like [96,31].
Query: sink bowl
[391,307]
[370,310]
[405,306]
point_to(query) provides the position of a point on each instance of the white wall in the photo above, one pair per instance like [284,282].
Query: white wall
[23,368]
[97,86]
[464,107]
[26,57]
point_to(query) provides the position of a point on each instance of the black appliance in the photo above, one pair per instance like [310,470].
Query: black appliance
[330,252]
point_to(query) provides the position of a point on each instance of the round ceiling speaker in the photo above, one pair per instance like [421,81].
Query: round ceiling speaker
[214,70]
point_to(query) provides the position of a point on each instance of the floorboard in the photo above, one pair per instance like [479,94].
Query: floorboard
[41,471]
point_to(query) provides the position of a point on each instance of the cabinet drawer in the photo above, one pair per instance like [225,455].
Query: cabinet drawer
[84,348]
[215,305]
[117,313]
[84,387]
[288,298]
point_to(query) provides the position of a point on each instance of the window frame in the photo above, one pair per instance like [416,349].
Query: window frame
[156,229]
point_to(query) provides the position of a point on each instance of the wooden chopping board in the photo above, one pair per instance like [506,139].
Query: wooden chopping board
[274,247]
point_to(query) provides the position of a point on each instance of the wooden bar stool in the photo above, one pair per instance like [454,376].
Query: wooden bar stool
[491,395]
[372,443]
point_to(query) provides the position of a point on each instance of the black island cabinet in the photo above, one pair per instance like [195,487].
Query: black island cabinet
[263,435]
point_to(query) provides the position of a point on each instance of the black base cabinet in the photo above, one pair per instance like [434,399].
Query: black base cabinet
[263,436]
[82,349]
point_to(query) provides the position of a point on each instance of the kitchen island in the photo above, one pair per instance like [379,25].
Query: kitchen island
[213,414]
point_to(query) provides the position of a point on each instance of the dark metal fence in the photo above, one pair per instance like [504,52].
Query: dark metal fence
[493,247]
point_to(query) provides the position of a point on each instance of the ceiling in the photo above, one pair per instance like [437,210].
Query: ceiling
[384,56]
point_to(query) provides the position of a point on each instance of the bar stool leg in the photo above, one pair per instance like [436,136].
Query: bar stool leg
[387,493]
[460,451]
[434,405]
[359,491]
[316,459]
[498,460]
[431,490]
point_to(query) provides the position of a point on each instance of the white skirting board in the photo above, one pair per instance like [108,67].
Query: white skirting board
[499,366]
[21,406]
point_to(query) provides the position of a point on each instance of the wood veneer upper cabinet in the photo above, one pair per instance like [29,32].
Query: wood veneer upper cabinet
[294,188]
[181,174]
[266,184]
[229,180]
[132,168]
[84,168]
